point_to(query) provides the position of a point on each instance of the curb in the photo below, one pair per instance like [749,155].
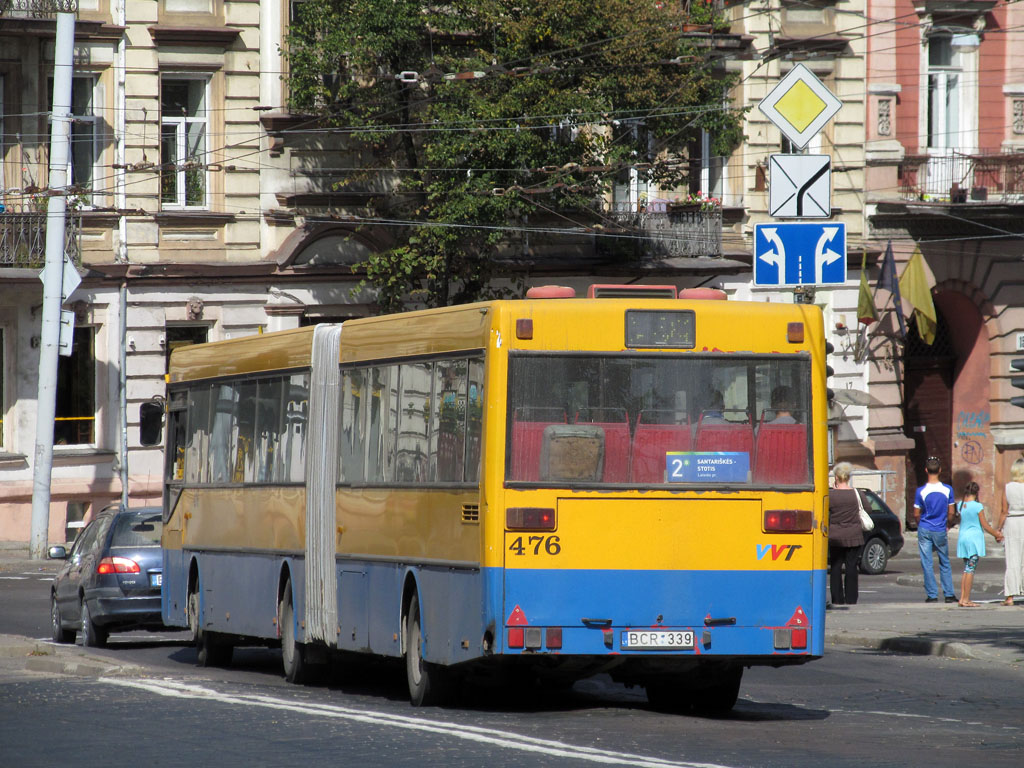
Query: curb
[916,646]
[63,660]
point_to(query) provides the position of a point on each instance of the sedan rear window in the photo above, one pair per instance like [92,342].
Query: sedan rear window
[137,531]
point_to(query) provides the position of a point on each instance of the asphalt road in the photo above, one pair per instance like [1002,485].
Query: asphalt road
[851,708]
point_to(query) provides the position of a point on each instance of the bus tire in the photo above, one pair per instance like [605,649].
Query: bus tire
[718,699]
[293,655]
[211,651]
[429,684]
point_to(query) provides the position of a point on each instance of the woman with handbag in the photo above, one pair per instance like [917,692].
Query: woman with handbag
[846,508]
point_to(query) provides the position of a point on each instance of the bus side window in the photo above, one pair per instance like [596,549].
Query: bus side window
[474,419]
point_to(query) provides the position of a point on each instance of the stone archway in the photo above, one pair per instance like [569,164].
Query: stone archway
[946,398]
[973,448]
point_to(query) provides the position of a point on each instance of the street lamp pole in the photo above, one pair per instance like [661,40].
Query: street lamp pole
[53,270]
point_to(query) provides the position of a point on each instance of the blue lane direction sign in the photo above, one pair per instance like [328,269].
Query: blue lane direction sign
[800,253]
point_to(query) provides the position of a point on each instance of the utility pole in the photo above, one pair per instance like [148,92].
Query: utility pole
[53,272]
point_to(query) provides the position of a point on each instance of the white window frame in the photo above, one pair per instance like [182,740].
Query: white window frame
[181,124]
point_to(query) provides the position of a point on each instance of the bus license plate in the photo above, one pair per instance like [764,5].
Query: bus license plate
[156,579]
[658,638]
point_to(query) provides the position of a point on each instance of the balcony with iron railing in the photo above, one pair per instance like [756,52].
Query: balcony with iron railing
[670,230]
[23,238]
[963,178]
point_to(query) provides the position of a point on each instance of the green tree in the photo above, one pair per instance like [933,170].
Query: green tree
[515,108]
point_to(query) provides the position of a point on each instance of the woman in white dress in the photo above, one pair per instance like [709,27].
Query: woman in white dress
[1011,523]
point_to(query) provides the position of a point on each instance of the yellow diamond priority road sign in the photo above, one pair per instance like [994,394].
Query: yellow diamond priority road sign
[800,105]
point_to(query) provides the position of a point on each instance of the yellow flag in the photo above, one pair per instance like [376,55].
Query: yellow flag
[866,312]
[914,288]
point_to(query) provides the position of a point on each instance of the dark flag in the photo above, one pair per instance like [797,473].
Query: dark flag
[890,282]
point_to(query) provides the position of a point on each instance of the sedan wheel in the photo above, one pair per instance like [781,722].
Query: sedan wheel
[59,634]
[875,557]
[93,636]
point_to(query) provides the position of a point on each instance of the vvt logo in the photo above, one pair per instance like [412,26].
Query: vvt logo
[777,550]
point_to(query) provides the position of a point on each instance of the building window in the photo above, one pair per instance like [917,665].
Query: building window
[944,76]
[183,151]
[82,157]
[1018,116]
[76,392]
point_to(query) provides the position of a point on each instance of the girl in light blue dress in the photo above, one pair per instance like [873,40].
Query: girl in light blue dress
[971,542]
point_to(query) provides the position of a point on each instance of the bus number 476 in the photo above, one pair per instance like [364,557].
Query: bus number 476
[551,545]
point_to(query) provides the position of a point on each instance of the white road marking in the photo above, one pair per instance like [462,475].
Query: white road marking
[14,578]
[504,739]
[911,715]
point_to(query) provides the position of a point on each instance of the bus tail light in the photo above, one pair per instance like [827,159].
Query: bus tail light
[524,328]
[553,638]
[787,520]
[516,637]
[530,519]
[117,565]
[799,639]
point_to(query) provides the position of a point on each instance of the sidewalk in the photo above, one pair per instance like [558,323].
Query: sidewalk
[991,632]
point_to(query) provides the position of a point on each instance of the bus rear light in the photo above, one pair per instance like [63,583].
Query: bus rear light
[795,333]
[530,519]
[800,639]
[553,638]
[524,328]
[516,637]
[787,520]
[117,565]
[534,635]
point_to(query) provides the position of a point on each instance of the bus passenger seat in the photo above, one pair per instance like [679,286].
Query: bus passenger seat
[732,438]
[528,438]
[650,444]
[781,456]
[616,440]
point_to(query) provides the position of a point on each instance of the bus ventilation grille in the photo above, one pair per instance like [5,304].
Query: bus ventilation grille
[471,513]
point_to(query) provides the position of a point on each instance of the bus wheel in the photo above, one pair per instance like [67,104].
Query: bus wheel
[296,670]
[428,683]
[719,699]
[211,651]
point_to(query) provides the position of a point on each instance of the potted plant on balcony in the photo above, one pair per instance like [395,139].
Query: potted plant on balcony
[693,203]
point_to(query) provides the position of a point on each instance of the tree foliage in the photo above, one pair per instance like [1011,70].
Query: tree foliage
[565,95]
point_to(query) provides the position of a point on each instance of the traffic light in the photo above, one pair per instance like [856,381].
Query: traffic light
[1017,381]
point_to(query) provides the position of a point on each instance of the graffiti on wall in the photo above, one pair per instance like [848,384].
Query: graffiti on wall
[971,425]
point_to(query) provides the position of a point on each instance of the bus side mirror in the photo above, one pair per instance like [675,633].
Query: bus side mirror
[151,422]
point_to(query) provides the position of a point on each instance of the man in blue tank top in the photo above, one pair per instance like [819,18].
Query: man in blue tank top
[933,510]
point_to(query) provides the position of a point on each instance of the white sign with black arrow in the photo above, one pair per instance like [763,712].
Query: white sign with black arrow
[800,186]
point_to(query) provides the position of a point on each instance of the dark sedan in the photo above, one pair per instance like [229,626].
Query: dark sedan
[885,541]
[111,579]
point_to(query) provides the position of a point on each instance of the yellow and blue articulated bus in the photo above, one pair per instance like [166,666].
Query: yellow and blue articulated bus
[548,487]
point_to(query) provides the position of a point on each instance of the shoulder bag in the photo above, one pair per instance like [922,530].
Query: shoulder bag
[866,523]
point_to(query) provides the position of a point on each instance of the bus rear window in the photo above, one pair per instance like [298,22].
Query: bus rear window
[659,420]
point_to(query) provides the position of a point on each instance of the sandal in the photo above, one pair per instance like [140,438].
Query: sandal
[968,605]
[1008,601]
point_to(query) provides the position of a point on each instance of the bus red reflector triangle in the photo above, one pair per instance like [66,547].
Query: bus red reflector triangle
[799,619]
[517,618]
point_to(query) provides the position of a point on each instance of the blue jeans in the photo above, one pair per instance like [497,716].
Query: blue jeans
[926,542]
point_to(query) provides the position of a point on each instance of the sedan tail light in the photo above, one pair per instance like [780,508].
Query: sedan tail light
[117,565]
